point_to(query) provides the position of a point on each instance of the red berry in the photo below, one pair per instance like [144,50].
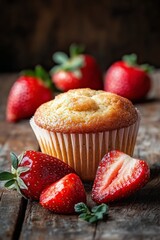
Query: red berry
[118,176]
[127,80]
[78,71]
[66,80]
[62,195]
[35,171]
[26,95]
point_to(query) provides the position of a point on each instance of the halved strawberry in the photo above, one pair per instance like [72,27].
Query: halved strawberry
[62,195]
[118,176]
[32,172]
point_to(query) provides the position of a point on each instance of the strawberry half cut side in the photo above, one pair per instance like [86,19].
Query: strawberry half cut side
[118,176]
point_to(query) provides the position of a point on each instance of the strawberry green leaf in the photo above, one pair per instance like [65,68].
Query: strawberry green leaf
[131,59]
[40,73]
[14,160]
[77,73]
[9,183]
[75,49]
[30,73]
[22,170]
[55,69]
[60,57]
[77,62]
[13,180]
[4,176]
[17,188]
[20,157]
[21,183]
[43,75]
[147,68]
[73,64]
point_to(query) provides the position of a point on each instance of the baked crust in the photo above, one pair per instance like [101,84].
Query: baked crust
[84,111]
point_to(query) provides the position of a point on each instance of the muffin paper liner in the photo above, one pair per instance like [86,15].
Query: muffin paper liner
[83,152]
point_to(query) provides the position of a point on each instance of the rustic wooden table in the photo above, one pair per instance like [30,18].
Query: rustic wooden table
[137,217]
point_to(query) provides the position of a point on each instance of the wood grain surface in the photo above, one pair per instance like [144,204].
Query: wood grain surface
[137,217]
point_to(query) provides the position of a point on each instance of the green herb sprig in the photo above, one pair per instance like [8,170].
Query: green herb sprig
[95,214]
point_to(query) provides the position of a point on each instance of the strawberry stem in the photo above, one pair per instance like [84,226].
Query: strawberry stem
[40,73]
[76,50]
[131,60]
[14,160]
[72,64]
[12,179]
[60,57]
[147,68]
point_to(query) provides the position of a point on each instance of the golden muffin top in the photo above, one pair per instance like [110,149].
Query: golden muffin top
[85,110]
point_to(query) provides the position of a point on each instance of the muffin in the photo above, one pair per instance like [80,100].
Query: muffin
[82,125]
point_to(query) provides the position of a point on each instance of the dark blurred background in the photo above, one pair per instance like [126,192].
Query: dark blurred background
[31,31]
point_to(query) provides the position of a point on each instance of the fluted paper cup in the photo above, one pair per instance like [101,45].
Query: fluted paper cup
[84,151]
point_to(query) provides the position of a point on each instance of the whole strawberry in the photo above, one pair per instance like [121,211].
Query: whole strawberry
[32,172]
[78,71]
[128,79]
[29,91]
[62,195]
[118,176]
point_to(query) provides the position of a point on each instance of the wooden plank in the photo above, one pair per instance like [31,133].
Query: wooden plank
[147,145]
[17,138]
[11,208]
[42,224]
